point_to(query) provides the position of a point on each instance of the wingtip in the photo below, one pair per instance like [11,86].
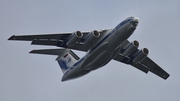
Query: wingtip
[12,37]
[31,51]
[166,76]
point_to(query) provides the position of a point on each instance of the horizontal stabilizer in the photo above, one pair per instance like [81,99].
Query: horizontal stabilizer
[54,52]
[48,51]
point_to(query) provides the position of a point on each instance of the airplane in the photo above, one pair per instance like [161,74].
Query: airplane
[101,46]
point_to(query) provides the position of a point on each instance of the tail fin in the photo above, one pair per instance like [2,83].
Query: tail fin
[66,57]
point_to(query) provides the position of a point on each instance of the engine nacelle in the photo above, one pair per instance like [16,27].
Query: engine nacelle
[91,37]
[130,48]
[74,38]
[141,55]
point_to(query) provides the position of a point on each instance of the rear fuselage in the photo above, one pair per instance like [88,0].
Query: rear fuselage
[103,51]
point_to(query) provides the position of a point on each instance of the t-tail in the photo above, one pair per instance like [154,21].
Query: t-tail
[66,57]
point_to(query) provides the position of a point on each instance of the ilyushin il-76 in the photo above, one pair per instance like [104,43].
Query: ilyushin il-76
[101,46]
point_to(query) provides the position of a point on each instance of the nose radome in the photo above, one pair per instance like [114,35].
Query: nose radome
[136,19]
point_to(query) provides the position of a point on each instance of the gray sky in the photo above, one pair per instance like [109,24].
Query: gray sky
[27,77]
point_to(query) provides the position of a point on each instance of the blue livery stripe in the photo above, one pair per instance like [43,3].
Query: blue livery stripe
[62,65]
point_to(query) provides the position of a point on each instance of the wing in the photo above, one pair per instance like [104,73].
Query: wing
[58,40]
[145,65]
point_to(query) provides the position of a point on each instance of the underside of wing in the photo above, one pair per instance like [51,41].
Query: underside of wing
[126,60]
[154,68]
[77,40]
[44,39]
[130,54]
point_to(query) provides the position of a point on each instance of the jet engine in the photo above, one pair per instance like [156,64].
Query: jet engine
[91,37]
[74,38]
[141,55]
[130,48]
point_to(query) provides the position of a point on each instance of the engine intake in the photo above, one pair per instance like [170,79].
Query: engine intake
[78,34]
[75,37]
[141,55]
[130,48]
[96,33]
[91,37]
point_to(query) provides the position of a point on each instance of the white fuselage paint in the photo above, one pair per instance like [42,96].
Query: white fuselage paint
[103,51]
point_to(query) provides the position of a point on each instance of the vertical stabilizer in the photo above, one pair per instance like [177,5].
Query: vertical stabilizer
[67,59]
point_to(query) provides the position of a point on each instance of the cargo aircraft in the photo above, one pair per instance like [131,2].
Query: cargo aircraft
[101,46]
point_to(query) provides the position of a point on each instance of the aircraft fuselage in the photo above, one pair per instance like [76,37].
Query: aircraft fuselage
[104,50]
